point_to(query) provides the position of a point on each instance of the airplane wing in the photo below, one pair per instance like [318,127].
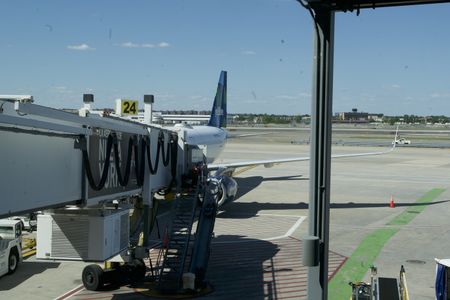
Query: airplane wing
[233,136]
[230,167]
[270,163]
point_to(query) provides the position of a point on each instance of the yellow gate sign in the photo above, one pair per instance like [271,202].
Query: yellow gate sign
[129,107]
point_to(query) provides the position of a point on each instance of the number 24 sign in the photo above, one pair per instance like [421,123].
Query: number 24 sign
[129,107]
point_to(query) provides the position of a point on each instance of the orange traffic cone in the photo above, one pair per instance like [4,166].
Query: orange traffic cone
[391,203]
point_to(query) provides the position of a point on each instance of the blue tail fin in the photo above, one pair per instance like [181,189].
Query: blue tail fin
[219,110]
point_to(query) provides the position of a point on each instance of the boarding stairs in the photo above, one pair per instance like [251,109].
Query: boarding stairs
[174,254]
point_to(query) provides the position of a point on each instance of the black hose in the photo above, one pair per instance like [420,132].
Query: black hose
[166,156]
[87,165]
[140,148]
[153,168]
[139,157]
[174,154]
[123,181]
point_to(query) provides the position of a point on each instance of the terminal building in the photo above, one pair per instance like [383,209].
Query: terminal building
[357,117]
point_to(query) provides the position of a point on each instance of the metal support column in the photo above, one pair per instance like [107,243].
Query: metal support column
[320,168]
[147,197]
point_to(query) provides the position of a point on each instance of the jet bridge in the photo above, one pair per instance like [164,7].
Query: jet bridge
[75,166]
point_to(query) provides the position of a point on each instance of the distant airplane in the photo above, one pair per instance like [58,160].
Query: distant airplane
[212,137]
[399,140]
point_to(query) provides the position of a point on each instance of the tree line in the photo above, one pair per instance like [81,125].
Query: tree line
[305,119]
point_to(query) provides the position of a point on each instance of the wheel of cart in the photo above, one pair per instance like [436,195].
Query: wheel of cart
[92,277]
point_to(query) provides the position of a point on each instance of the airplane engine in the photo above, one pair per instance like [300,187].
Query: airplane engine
[227,189]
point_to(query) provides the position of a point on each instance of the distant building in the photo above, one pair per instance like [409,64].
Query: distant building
[376,118]
[352,117]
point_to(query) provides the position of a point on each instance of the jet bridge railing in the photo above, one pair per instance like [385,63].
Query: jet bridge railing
[46,155]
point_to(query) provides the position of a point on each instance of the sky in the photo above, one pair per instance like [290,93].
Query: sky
[388,60]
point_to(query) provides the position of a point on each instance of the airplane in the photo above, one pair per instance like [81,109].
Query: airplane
[399,140]
[212,138]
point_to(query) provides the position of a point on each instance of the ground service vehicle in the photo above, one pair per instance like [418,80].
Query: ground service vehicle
[10,245]
[402,141]
[29,223]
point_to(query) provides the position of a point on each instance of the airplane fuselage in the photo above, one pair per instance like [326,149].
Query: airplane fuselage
[211,138]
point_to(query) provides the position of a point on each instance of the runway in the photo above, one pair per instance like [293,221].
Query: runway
[257,247]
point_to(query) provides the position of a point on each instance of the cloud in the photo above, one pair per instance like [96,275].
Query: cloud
[197,97]
[163,45]
[248,52]
[440,95]
[81,47]
[129,45]
[145,45]
[286,97]
[390,86]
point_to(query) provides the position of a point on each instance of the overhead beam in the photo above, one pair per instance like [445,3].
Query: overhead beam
[351,5]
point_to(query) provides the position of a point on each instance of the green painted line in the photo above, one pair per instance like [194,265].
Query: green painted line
[365,254]
[412,211]
[358,263]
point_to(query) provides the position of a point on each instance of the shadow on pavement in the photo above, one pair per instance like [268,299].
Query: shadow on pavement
[236,209]
[239,268]
[247,184]
[25,270]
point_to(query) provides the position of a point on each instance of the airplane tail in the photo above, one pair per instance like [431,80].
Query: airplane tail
[219,110]
[394,143]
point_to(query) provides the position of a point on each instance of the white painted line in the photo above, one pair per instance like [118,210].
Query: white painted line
[291,230]
[274,238]
[294,228]
[287,234]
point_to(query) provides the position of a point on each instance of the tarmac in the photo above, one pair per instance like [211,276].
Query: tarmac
[256,253]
